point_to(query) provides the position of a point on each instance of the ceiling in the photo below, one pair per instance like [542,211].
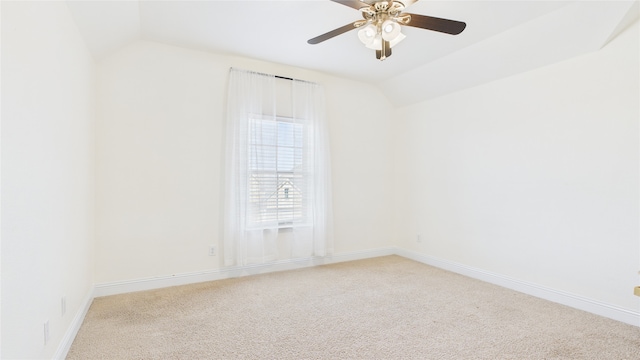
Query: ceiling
[502,38]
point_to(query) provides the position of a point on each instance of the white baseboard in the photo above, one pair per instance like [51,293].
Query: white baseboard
[121,287]
[561,297]
[72,331]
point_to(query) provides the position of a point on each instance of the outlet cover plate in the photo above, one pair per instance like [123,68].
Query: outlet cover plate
[636,291]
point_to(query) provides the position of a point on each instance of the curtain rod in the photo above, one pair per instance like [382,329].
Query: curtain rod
[276,76]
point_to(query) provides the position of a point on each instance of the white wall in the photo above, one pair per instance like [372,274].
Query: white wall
[160,160]
[48,175]
[534,177]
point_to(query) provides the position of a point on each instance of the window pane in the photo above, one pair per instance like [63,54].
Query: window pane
[285,133]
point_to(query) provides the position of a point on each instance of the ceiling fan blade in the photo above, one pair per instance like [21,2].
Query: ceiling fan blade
[436,24]
[356,4]
[330,34]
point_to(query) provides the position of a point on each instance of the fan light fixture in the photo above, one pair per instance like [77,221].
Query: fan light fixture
[372,36]
[381,27]
[392,33]
[368,35]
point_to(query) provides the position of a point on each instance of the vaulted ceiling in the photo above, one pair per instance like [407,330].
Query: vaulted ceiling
[502,38]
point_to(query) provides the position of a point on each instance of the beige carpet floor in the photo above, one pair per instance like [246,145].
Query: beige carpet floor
[383,308]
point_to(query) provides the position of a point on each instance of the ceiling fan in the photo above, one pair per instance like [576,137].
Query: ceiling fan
[380,29]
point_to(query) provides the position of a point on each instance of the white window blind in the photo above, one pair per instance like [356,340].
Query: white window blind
[278,173]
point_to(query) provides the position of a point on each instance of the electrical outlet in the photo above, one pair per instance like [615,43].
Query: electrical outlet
[63,305]
[636,291]
[212,250]
[46,332]
[418,238]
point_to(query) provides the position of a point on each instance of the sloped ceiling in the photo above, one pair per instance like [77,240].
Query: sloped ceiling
[502,38]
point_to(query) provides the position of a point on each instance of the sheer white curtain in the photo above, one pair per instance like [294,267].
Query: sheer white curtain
[308,106]
[278,181]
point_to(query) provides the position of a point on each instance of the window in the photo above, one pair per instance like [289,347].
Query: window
[278,175]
